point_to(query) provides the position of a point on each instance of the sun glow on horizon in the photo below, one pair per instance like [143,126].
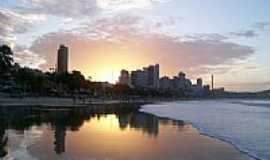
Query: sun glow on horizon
[112,35]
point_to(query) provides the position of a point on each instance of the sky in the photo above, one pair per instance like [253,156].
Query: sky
[227,38]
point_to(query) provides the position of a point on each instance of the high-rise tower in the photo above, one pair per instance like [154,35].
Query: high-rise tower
[124,78]
[62,59]
[212,80]
[153,76]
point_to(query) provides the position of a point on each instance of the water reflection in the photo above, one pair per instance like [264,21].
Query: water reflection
[61,121]
[3,140]
[116,132]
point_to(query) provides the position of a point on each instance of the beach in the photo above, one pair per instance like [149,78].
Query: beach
[115,131]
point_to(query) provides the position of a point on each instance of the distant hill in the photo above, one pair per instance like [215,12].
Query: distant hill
[260,94]
[266,91]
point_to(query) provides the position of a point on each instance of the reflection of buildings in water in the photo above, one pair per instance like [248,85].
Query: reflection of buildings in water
[146,122]
[124,120]
[21,118]
[178,123]
[3,141]
[60,135]
[60,121]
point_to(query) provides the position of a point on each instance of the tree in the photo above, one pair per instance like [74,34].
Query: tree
[6,59]
[76,80]
[31,80]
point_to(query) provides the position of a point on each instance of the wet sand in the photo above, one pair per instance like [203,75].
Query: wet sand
[195,146]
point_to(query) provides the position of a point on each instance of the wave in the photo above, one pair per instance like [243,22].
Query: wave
[246,127]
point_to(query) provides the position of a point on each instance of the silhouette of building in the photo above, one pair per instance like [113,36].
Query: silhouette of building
[146,78]
[182,75]
[152,76]
[177,83]
[62,59]
[60,135]
[212,81]
[206,88]
[198,89]
[183,85]
[142,121]
[165,83]
[180,82]
[139,78]
[199,82]
[124,78]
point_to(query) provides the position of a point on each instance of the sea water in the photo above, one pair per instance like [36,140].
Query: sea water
[243,123]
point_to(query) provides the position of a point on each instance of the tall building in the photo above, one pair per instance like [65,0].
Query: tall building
[182,75]
[212,81]
[200,82]
[146,78]
[165,83]
[139,78]
[153,76]
[180,82]
[62,59]
[124,78]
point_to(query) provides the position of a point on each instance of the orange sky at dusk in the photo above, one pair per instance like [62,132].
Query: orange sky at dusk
[105,36]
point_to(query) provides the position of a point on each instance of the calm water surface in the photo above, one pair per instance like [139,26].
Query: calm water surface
[103,132]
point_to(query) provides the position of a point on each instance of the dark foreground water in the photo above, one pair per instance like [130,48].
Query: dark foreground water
[103,132]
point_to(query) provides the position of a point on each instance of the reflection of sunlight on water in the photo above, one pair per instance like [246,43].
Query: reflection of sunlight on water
[19,143]
[107,123]
[125,135]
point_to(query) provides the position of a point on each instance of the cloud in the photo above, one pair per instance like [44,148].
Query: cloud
[83,8]
[262,26]
[255,30]
[25,57]
[19,18]
[206,36]
[71,8]
[12,23]
[245,34]
[127,4]
[122,42]
[68,10]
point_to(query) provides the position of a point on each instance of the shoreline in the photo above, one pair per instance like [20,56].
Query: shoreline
[86,102]
[223,143]
[213,137]
[58,102]
[203,131]
[68,103]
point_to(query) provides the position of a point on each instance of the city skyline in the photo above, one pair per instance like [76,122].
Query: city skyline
[111,35]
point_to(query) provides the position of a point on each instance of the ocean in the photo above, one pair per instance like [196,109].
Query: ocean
[243,123]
